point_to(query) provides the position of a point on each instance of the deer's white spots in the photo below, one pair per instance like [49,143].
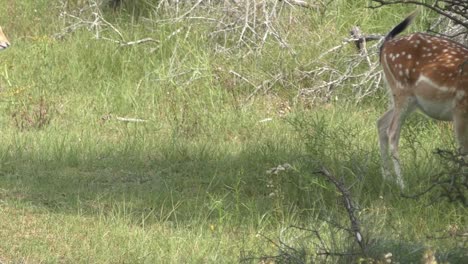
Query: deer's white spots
[432,76]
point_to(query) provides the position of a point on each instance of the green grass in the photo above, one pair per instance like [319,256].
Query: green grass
[190,184]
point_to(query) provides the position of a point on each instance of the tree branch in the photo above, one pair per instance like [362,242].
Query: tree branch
[452,7]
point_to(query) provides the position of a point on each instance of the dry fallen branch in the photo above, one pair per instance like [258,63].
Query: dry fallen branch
[350,209]
[108,117]
[131,43]
[89,17]
[363,82]
[264,86]
[289,252]
[297,244]
[360,39]
[140,41]
[129,119]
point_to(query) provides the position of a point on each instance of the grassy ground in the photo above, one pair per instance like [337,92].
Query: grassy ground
[190,185]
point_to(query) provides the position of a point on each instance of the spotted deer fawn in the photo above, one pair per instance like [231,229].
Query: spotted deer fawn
[423,72]
[4,43]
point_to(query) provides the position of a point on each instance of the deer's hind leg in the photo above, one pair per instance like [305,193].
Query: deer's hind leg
[389,126]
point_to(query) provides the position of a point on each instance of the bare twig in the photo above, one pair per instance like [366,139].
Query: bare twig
[130,120]
[300,3]
[453,20]
[361,43]
[364,83]
[136,42]
[190,11]
[461,8]
[243,78]
[350,208]
[89,17]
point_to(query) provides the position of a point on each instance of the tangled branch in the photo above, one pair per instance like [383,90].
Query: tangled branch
[89,17]
[454,13]
[453,9]
[364,82]
[452,184]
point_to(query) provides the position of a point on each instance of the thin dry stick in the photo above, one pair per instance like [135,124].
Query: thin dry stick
[350,208]
[140,41]
[130,119]
[246,21]
[300,3]
[243,78]
[190,11]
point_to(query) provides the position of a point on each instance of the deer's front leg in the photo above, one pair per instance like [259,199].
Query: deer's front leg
[460,123]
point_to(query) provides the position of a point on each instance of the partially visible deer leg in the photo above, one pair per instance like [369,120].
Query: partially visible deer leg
[382,126]
[426,72]
[460,123]
[389,126]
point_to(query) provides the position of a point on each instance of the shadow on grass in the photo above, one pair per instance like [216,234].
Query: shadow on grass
[163,182]
[187,182]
